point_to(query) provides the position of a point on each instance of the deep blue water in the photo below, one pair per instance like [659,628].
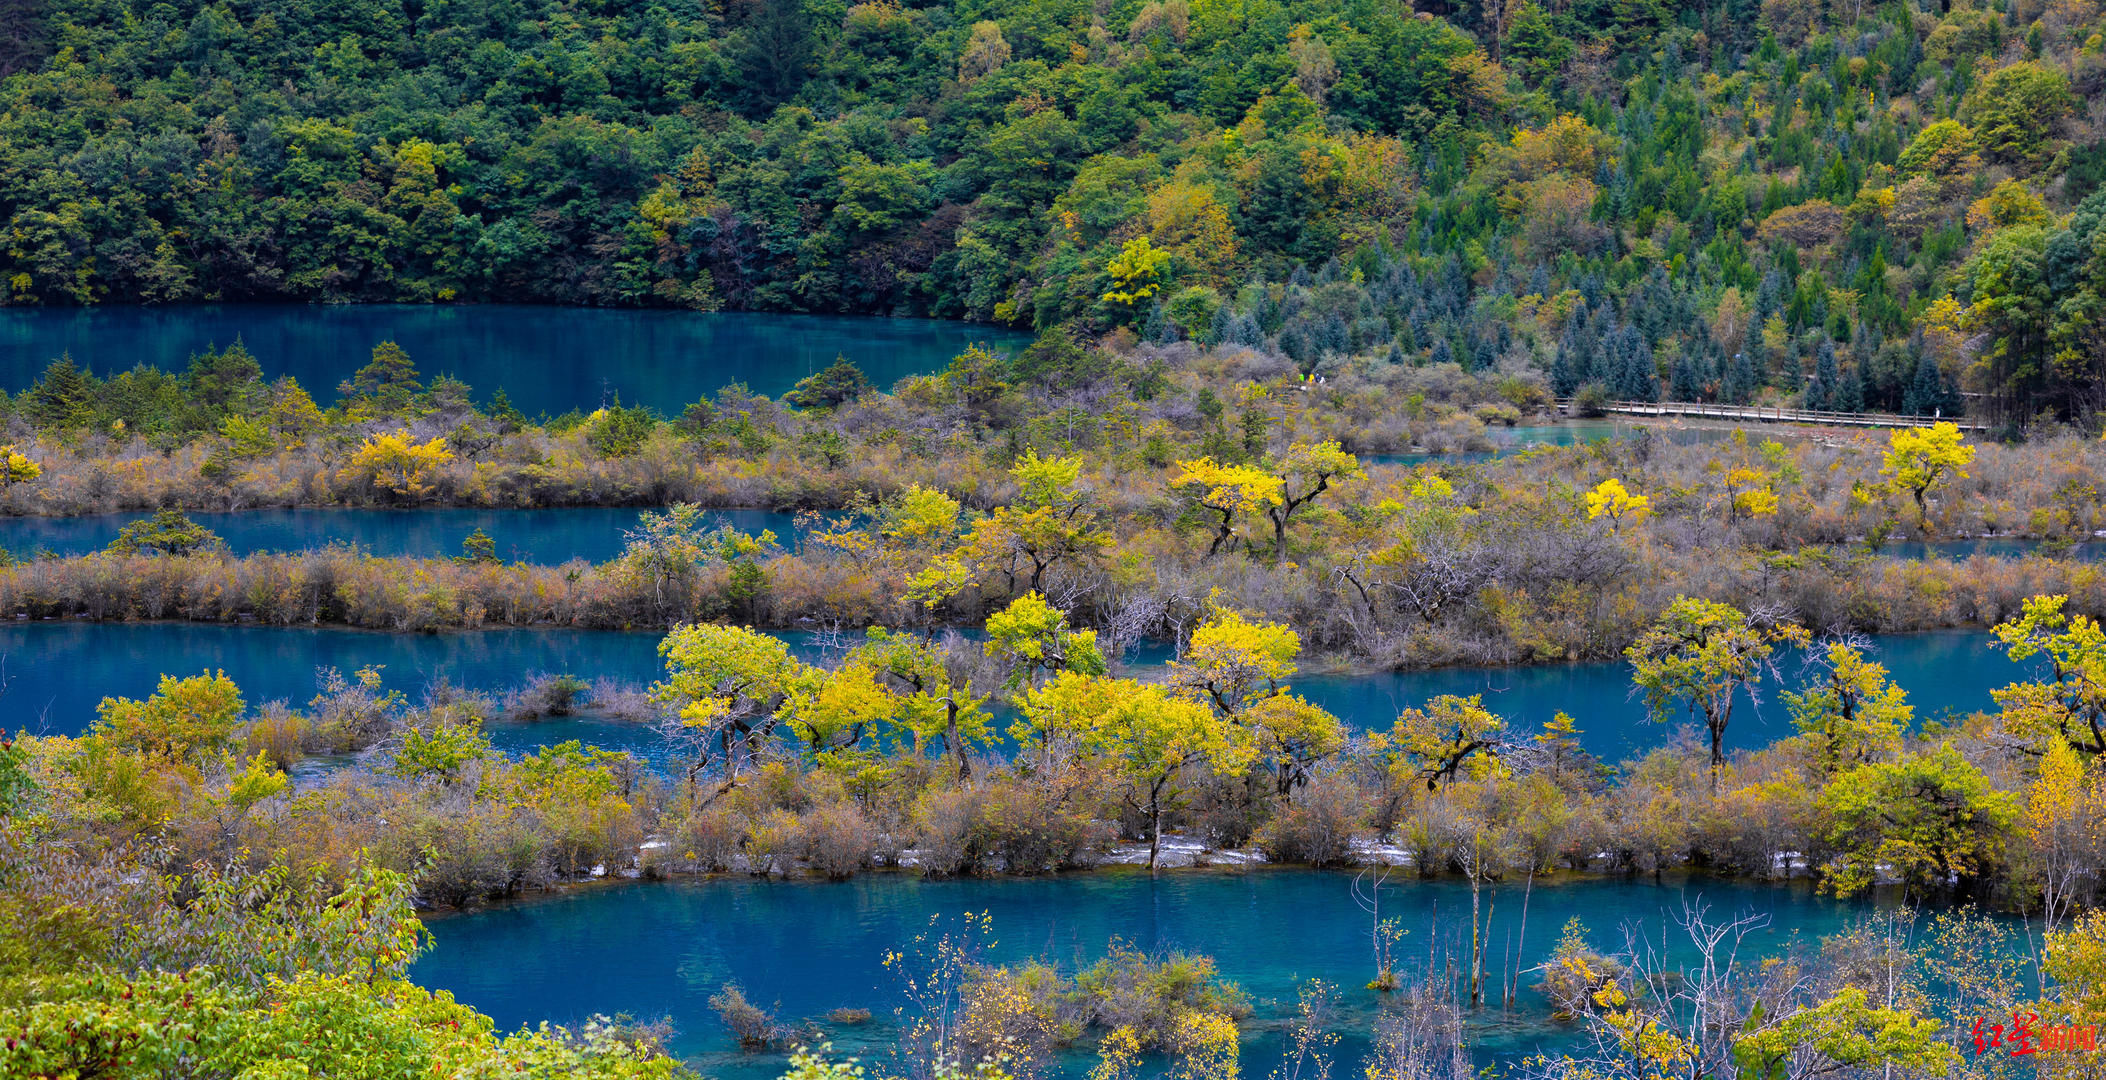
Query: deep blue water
[594,533]
[548,359]
[536,536]
[1943,672]
[662,949]
[55,672]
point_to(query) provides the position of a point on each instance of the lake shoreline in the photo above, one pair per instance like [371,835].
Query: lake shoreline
[1799,881]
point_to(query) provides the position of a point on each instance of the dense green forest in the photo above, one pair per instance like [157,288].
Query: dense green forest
[1849,206]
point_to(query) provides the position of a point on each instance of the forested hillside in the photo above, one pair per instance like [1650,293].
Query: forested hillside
[1849,205]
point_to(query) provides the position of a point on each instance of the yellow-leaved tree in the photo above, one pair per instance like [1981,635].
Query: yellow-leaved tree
[16,467]
[1230,492]
[2067,703]
[1239,667]
[1701,654]
[1437,742]
[1921,459]
[1148,736]
[397,464]
[1052,522]
[727,686]
[1305,471]
[1610,499]
[1136,272]
[1850,713]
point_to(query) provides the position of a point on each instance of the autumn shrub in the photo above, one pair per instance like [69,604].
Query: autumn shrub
[1024,828]
[755,1028]
[1150,995]
[597,835]
[944,820]
[279,733]
[1223,811]
[545,695]
[623,701]
[774,843]
[704,838]
[466,852]
[1317,828]
[1023,1015]
[839,840]
[1575,972]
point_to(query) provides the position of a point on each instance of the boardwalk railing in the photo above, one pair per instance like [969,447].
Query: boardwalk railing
[1768,415]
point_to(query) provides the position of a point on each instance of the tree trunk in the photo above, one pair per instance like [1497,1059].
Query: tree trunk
[951,740]
[1718,751]
[1477,943]
[1155,831]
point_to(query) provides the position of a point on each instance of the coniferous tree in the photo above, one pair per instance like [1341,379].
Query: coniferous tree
[1927,394]
[1683,384]
[63,398]
[1157,329]
[1820,393]
[1741,381]
[1849,393]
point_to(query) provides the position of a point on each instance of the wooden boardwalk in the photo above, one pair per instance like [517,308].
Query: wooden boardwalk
[1694,410]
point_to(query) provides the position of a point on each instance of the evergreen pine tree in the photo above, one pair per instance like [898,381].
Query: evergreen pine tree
[1741,381]
[1683,384]
[1849,392]
[1926,394]
[1337,337]
[387,383]
[1641,375]
[1157,328]
[1565,370]
[63,398]
[1820,393]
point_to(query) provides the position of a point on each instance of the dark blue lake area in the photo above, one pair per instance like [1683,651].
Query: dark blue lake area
[548,359]
[593,533]
[661,949]
[55,672]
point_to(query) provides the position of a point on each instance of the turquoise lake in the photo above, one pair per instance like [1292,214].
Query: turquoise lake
[548,359]
[661,949]
[53,674]
[593,533]
[1511,440]
[551,537]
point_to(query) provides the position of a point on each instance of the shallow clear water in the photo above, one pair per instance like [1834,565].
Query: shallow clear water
[1508,440]
[55,672]
[661,949]
[537,536]
[548,359]
[2006,547]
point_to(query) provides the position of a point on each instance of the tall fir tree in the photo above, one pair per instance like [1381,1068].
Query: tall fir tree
[1820,393]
